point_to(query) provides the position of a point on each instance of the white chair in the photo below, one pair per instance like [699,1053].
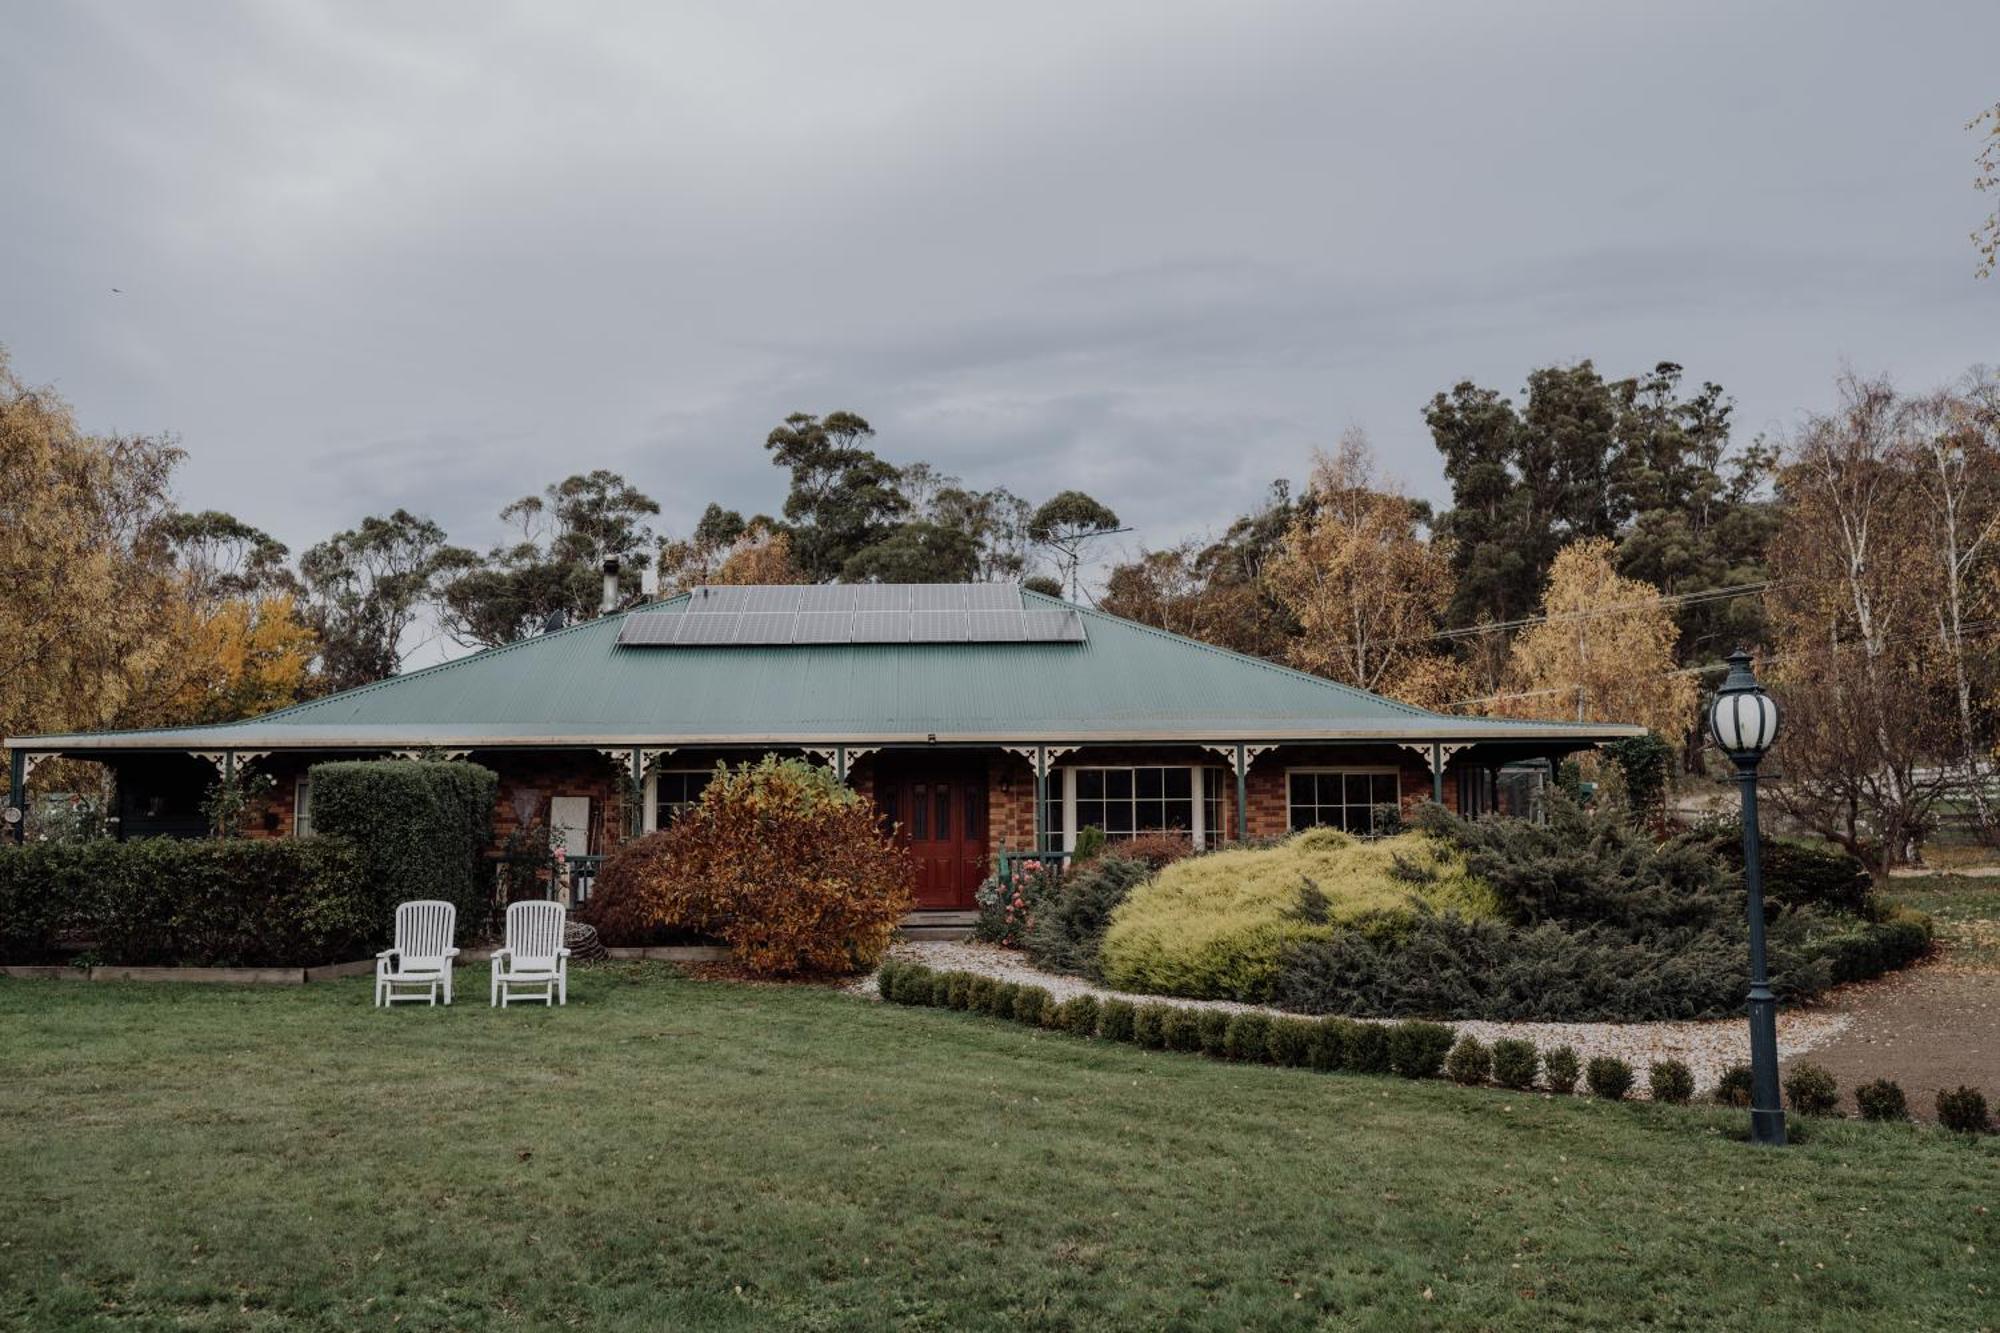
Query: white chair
[534,955]
[421,956]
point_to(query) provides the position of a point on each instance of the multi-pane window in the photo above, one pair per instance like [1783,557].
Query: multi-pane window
[674,790]
[1214,780]
[1342,798]
[302,807]
[1125,801]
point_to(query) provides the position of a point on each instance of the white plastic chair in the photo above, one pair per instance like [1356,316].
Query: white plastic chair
[534,955]
[421,955]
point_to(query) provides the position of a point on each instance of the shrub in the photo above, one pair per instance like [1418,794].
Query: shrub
[1608,1077]
[1469,1062]
[1734,1087]
[1216,926]
[165,902]
[1331,1040]
[979,995]
[1214,1032]
[959,996]
[1180,1030]
[1078,1015]
[1248,1037]
[1007,910]
[1089,845]
[421,828]
[1156,849]
[1115,1022]
[1417,1049]
[1561,1069]
[887,975]
[1881,1100]
[1514,1062]
[1799,874]
[1867,949]
[1149,1026]
[1030,1003]
[1070,918]
[940,993]
[1002,999]
[1290,1042]
[1368,1048]
[1810,1090]
[1670,1081]
[1963,1111]
[779,860]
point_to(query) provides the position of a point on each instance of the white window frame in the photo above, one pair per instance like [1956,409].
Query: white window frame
[652,801]
[1198,833]
[302,805]
[1345,770]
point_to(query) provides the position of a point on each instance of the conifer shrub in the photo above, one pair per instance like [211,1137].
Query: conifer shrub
[1734,1087]
[1417,1048]
[1560,1070]
[1214,1032]
[1071,914]
[1670,1081]
[1290,1042]
[1963,1111]
[1149,1026]
[1115,1020]
[1248,1037]
[1470,1062]
[1810,1090]
[1368,1048]
[1180,1030]
[779,860]
[1515,1062]
[1078,1015]
[1030,1002]
[1882,1099]
[1608,1077]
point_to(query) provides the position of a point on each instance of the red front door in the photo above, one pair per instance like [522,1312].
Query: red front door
[940,815]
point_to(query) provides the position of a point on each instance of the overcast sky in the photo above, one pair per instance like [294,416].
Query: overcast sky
[439,255]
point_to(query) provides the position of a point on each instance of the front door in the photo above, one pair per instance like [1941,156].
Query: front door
[940,816]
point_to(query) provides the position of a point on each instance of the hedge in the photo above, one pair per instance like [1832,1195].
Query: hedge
[420,828]
[166,902]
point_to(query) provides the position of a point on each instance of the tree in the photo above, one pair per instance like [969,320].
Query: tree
[1859,668]
[843,498]
[222,556]
[1603,651]
[554,571]
[1219,593]
[1363,584]
[1986,236]
[919,552]
[1064,525]
[242,656]
[366,587]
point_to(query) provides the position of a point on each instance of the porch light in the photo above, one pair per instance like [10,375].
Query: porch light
[1743,719]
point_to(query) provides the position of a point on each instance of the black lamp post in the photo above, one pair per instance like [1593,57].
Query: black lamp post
[1744,721]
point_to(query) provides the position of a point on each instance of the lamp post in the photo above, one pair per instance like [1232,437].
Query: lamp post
[1744,721]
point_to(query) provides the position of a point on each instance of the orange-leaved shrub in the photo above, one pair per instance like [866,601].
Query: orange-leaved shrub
[778,860]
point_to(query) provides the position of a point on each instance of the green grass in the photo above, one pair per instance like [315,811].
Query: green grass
[671,1154]
[1966,911]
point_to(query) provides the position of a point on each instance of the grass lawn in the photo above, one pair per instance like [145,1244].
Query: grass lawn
[1966,909]
[673,1154]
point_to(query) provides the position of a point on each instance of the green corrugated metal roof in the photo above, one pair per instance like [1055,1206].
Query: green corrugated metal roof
[578,686]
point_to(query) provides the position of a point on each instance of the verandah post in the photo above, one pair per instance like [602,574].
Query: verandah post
[17,791]
[1437,773]
[1242,795]
[1041,795]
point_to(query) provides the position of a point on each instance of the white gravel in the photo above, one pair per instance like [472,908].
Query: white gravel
[1707,1047]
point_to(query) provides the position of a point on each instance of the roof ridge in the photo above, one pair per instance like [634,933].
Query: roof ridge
[1268,665]
[436,667]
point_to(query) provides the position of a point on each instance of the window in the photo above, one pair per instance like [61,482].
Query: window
[1124,801]
[302,807]
[672,790]
[1342,798]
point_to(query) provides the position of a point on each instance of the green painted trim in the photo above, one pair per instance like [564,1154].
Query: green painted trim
[17,790]
[1437,773]
[1242,794]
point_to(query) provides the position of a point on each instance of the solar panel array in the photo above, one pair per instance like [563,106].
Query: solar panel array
[852,613]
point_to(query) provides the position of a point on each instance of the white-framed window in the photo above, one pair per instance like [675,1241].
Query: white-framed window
[1342,798]
[672,790]
[1128,799]
[302,806]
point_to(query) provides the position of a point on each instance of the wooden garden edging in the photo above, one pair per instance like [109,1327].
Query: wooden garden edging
[238,976]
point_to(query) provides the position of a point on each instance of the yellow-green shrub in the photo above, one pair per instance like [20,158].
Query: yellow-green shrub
[1214,926]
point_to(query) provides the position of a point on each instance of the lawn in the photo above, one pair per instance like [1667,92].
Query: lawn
[1966,910]
[675,1154]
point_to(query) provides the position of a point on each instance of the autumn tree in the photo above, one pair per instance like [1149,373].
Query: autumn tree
[1364,585]
[1985,178]
[1216,591]
[1602,649]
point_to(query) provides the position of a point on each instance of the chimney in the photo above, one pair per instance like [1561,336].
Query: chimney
[610,586]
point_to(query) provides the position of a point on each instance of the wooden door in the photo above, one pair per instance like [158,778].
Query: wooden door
[940,816]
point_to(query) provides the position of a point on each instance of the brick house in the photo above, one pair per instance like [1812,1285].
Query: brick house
[979,718]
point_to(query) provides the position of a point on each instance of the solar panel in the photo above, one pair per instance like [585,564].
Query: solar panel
[882,596]
[937,627]
[1053,626]
[834,597]
[852,613]
[824,627]
[649,628]
[706,628]
[764,627]
[990,596]
[881,627]
[996,627]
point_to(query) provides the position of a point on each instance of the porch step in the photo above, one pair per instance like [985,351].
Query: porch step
[935,933]
[934,917]
[935,925]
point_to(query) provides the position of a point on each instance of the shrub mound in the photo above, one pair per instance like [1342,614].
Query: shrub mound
[1070,914]
[1217,926]
[421,828]
[779,860]
[164,902]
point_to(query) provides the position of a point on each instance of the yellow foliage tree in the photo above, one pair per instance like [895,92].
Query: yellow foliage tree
[240,657]
[1363,584]
[1604,653]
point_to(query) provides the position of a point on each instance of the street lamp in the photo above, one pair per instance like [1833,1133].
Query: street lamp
[1744,721]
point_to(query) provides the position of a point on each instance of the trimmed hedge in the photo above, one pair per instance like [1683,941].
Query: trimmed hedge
[169,902]
[421,828]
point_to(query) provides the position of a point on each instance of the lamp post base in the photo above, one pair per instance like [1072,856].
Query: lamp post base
[1767,1127]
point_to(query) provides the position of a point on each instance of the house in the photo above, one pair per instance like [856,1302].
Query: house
[980,719]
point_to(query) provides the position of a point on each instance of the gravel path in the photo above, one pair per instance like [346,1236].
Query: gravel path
[1708,1047]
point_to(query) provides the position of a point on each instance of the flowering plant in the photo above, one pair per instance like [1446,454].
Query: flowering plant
[1007,908]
